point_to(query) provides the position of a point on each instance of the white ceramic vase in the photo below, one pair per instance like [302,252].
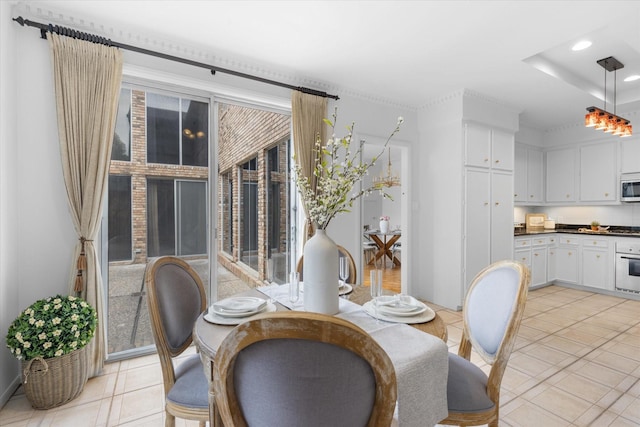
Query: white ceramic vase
[319,272]
[384,226]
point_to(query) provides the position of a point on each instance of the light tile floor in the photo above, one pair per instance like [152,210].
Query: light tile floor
[576,362]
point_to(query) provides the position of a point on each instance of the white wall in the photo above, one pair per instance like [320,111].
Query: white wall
[9,190]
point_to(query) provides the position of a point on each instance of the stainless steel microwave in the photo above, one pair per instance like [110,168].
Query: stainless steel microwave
[630,187]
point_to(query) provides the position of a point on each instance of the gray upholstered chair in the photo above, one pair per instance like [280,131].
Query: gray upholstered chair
[342,252]
[176,298]
[292,369]
[492,312]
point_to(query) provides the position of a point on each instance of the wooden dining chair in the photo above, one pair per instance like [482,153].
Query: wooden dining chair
[291,369]
[492,313]
[176,297]
[342,252]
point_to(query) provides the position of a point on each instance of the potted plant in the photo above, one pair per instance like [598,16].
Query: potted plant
[595,225]
[49,338]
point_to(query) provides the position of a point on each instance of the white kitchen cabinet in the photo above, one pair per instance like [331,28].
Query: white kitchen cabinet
[539,266]
[597,264]
[488,148]
[528,175]
[551,258]
[561,175]
[567,257]
[598,172]
[488,231]
[533,253]
[630,155]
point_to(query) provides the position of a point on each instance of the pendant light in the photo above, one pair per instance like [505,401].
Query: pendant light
[601,119]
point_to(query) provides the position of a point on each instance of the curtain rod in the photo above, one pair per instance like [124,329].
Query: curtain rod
[69,32]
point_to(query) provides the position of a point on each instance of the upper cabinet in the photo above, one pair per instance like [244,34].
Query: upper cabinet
[629,155]
[583,174]
[528,175]
[598,175]
[488,148]
[561,175]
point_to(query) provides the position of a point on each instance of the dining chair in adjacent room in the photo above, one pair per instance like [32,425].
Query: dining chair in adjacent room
[292,369]
[492,313]
[176,297]
[342,252]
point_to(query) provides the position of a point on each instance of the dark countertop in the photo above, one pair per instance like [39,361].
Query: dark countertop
[584,229]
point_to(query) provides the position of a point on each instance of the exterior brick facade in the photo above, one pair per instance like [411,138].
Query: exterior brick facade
[244,134]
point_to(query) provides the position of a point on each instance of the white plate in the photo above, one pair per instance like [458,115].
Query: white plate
[412,307]
[423,317]
[212,317]
[239,306]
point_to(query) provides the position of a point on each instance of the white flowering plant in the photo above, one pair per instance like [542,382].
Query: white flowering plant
[337,170]
[52,327]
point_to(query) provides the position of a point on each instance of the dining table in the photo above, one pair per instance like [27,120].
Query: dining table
[420,359]
[384,243]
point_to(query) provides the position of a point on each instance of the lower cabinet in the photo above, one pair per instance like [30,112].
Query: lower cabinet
[567,258]
[596,264]
[580,260]
[533,253]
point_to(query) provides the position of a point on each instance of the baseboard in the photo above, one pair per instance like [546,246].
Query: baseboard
[6,395]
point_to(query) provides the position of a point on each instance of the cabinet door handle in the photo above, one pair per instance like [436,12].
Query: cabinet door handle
[486,160]
[486,203]
[531,195]
[569,253]
[535,254]
[595,243]
[551,253]
[497,161]
[515,195]
[598,256]
[606,194]
[568,195]
[497,203]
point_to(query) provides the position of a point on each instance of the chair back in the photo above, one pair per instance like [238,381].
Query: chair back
[298,368]
[176,297]
[494,306]
[342,253]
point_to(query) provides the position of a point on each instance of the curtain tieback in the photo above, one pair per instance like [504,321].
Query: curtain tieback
[81,265]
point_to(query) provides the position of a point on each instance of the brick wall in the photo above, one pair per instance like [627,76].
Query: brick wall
[247,133]
[244,133]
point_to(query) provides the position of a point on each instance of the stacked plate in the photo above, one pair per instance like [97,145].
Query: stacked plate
[234,310]
[399,309]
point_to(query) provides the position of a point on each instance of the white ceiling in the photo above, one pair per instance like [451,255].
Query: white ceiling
[405,52]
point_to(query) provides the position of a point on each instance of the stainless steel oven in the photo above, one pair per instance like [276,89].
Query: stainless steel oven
[628,267]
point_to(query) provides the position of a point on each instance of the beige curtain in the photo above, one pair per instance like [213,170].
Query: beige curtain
[87,79]
[308,113]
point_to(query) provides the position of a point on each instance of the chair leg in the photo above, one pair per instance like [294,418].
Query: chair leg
[169,420]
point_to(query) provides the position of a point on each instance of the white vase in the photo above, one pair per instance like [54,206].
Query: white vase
[320,274]
[384,226]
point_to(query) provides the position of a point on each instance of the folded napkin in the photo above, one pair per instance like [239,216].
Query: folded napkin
[400,302]
[240,304]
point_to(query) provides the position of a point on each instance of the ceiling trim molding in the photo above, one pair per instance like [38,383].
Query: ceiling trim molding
[468,93]
[200,53]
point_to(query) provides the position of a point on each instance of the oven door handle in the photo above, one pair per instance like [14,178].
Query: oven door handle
[629,257]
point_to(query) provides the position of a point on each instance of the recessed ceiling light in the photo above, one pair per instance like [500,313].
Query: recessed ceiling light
[632,78]
[581,45]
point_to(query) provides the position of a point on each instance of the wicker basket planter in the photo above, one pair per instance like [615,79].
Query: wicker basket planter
[55,381]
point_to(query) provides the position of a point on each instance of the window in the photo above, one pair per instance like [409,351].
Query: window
[177,131]
[120,218]
[157,203]
[249,215]
[121,149]
[254,199]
